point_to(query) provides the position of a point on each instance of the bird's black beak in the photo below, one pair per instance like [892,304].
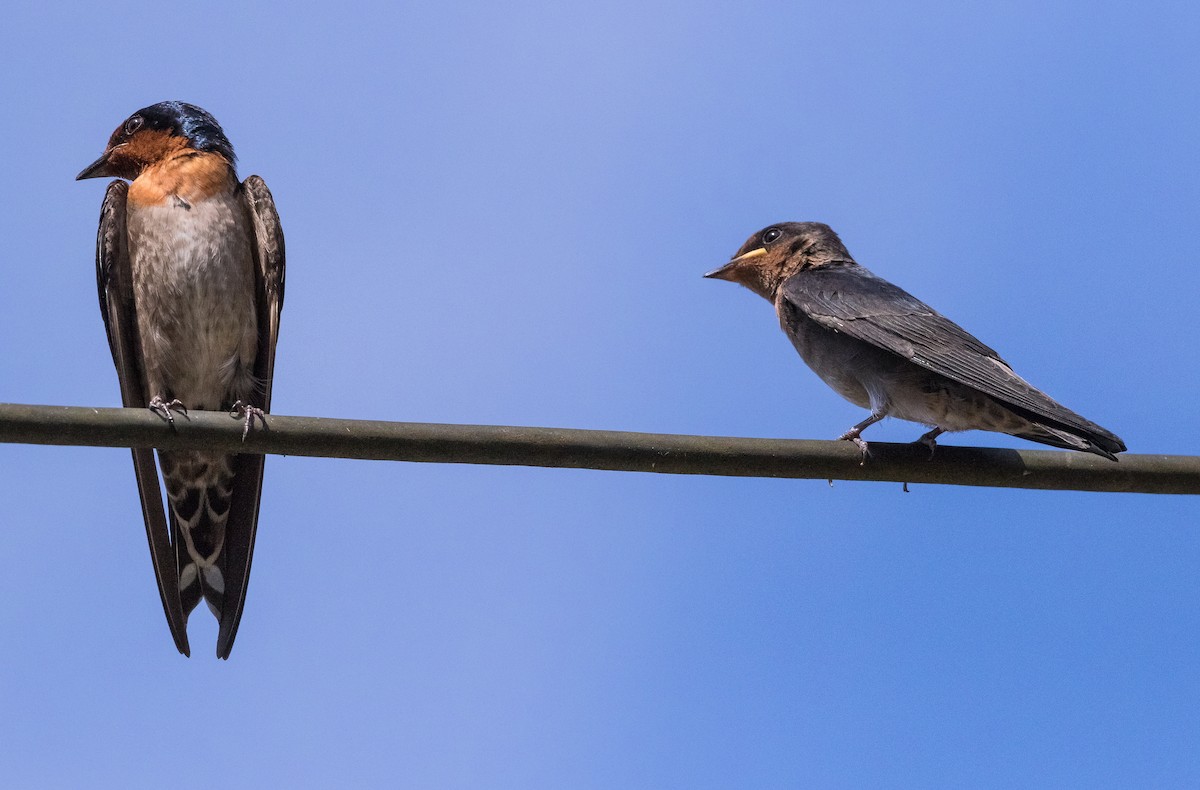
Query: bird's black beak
[725,271]
[97,169]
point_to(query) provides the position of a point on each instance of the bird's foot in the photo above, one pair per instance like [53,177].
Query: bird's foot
[852,435]
[930,440]
[164,409]
[248,413]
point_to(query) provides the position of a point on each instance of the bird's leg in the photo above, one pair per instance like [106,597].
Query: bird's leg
[929,439]
[163,409]
[852,435]
[248,412]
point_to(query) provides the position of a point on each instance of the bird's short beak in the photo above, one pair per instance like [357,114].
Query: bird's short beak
[726,270]
[97,169]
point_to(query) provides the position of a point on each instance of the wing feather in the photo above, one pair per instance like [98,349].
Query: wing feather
[242,525]
[114,282]
[848,298]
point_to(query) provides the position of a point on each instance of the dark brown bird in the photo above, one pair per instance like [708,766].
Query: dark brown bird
[882,349]
[190,270]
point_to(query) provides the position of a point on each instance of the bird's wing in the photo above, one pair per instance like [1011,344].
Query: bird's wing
[269,277]
[248,469]
[850,299]
[114,282]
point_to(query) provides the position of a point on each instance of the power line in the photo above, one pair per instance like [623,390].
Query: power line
[610,450]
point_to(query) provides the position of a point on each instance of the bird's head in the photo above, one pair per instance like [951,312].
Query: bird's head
[155,133]
[778,251]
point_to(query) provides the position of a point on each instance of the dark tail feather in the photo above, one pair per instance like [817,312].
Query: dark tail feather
[190,590]
[196,582]
[1103,444]
[213,520]
[239,546]
[198,518]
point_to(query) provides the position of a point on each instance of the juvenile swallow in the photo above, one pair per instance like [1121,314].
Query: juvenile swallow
[882,349]
[190,272]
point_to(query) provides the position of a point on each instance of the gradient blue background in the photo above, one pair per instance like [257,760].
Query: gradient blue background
[501,215]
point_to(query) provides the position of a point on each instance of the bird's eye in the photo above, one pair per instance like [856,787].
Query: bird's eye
[771,234]
[133,124]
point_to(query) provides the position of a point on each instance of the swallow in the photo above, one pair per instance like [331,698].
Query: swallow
[884,350]
[190,274]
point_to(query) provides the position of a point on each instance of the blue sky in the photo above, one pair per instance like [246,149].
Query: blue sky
[501,214]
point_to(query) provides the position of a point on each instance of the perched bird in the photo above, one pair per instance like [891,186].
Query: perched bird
[190,270]
[882,349]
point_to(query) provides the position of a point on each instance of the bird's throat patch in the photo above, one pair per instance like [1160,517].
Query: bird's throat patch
[184,177]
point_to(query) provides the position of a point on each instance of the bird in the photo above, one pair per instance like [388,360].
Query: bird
[190,275]
[884,350]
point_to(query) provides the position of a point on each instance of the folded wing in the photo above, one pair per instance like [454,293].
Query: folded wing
[242,525]
[114,281]
[847,298]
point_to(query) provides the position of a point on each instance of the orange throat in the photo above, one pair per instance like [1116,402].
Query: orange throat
[190,175]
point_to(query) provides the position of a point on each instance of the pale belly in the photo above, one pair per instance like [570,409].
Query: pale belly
[194,295]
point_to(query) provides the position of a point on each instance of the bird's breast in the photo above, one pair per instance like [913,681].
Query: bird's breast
[839,360]
[194,294]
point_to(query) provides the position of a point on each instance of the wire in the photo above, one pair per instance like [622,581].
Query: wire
[609,450]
